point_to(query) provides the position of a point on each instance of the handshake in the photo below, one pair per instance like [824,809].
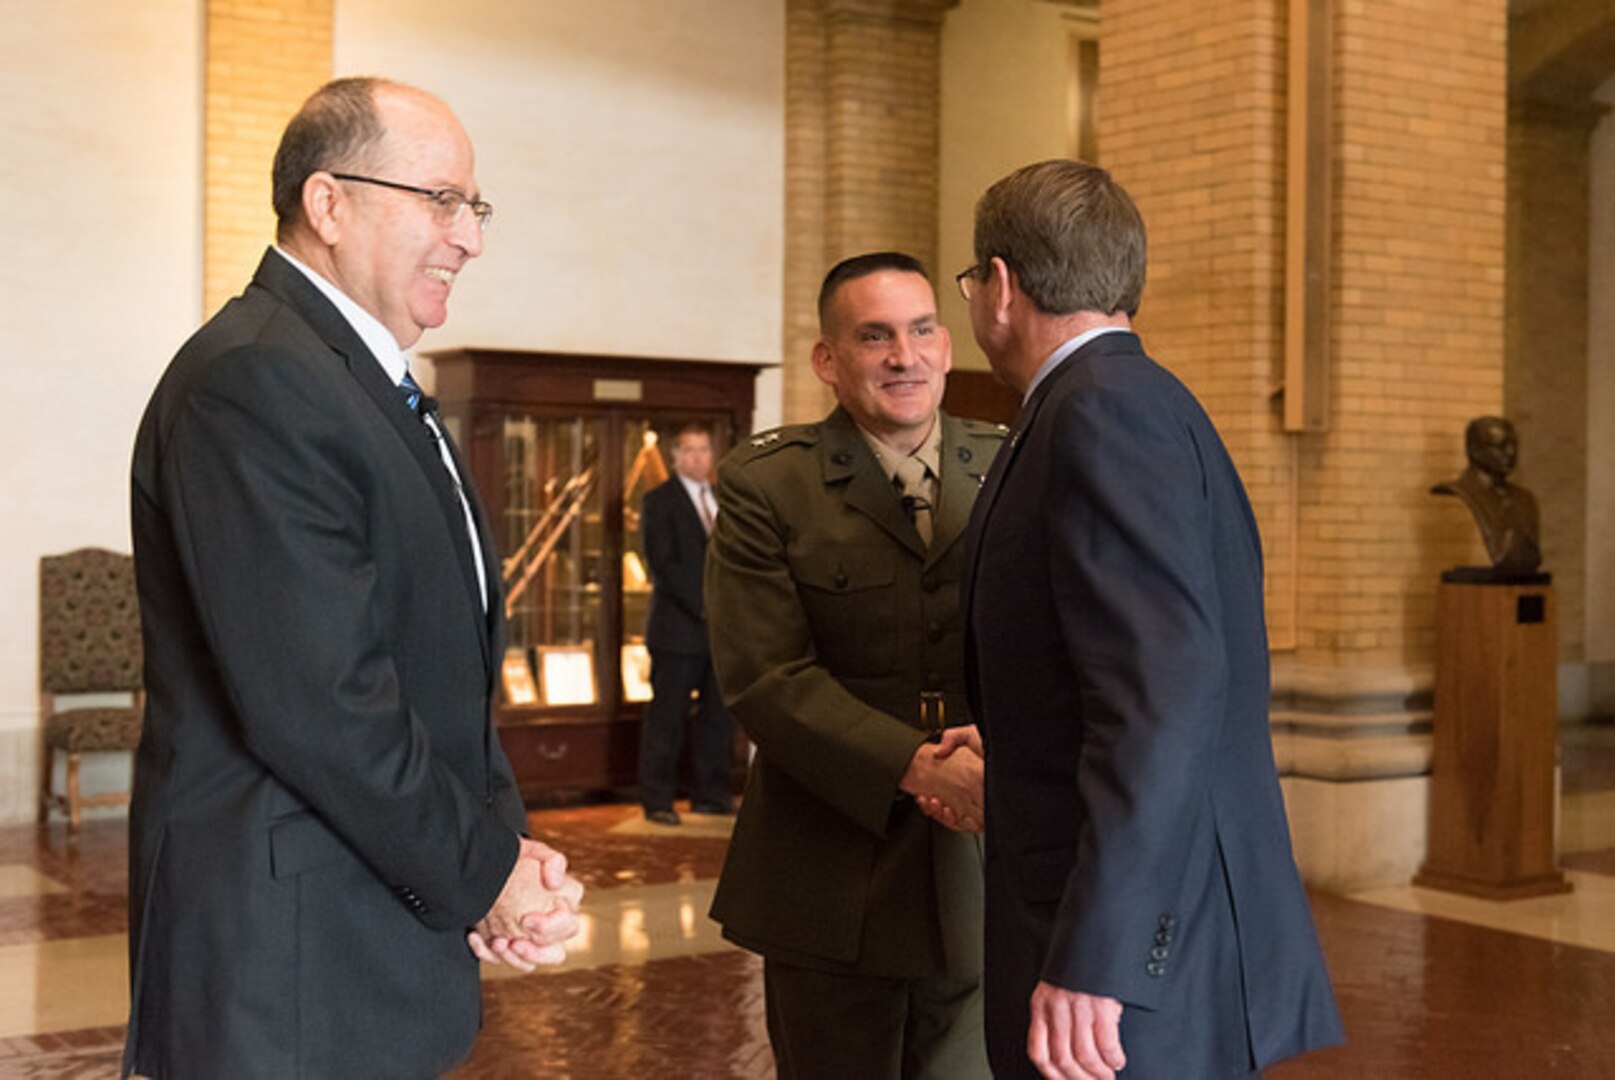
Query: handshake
[534,914]
[945,779]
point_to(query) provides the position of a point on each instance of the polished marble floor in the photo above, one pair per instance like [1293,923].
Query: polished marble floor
[1431,985]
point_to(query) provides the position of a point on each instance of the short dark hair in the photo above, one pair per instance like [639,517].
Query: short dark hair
[1071,234]
[694,427]
[337,128]
[861,266]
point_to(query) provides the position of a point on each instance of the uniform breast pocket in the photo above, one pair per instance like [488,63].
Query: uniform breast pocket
[849,594]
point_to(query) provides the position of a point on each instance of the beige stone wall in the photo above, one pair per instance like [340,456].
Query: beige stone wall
[1421,91]
[861,153]
[99,190]
[264,57]
[1545,373]
[1192,122]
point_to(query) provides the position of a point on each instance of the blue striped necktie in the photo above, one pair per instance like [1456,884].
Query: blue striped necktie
[412,392]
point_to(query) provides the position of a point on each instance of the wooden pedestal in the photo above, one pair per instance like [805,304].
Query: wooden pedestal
[1492,787]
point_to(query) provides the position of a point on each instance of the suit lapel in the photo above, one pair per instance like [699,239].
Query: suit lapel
[288,283]
[848,462]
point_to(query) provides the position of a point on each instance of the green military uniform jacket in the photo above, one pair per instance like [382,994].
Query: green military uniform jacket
[828,617]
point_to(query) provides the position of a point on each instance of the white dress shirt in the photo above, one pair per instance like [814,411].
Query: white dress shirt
[384,347]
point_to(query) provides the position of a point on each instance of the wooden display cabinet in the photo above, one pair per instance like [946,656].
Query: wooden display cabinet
[563,448]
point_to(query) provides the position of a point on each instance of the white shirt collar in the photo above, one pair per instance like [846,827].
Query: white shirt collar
[377,338]
[695,487]
[1058,355]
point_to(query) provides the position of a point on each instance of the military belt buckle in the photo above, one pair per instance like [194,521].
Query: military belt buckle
[933,713]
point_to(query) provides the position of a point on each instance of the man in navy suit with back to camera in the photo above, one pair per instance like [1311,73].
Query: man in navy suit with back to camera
[325,835]
[1143,906]
[676,519]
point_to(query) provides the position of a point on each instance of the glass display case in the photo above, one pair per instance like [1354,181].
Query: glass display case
[563,448]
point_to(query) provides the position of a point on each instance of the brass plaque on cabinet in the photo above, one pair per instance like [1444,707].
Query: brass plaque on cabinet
[618,390]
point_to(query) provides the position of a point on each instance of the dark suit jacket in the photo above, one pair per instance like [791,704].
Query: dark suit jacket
[829,615]
[676,549]
[1137,845]
[321,804]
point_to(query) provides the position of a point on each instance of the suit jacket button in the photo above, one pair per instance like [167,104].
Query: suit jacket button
[1167,922]
[1155,968]
[1163,937]
[1158,953]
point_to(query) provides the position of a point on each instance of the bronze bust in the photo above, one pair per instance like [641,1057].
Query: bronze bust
[1506,513]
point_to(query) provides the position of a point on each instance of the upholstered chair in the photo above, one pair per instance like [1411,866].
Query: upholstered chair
[89,643]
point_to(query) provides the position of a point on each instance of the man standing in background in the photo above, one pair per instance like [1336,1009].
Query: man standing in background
[1143,905]
[833,596]
[676,518]
[325,834]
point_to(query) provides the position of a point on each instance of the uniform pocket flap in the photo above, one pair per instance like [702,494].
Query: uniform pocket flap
[846,570]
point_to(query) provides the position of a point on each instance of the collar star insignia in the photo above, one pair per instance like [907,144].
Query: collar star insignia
[764,440]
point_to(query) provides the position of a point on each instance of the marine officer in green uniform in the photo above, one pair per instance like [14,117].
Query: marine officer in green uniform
[832,598]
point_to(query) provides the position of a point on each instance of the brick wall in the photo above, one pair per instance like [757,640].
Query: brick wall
[263,58]
[1545,372]
[1192,122]
[860,153]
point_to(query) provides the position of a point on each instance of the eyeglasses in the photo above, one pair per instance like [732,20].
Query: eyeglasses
[966,280]
[447,204]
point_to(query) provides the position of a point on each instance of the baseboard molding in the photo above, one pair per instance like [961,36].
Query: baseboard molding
[19,777]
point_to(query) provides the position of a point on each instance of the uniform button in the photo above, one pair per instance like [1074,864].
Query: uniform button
[964,453]
[840,580]
[1155,968]
[932,679]
[841,457]
[933,632]
[1158,953]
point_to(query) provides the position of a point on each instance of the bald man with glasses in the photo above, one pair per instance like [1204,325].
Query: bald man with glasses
[325,835]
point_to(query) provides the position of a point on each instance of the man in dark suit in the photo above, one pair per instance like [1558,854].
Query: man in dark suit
[1143,904]
[325,834]
[832,591]
[675,519]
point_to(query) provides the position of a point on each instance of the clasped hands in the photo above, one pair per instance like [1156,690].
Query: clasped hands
[534,914]
[945,779]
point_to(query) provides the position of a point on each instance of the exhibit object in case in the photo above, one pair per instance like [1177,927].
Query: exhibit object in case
[563,448]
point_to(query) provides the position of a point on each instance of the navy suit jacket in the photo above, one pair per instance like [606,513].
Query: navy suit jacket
[676,549]
[321,804]
[1137,845]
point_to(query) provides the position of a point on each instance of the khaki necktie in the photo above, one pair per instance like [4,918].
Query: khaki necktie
[916,494]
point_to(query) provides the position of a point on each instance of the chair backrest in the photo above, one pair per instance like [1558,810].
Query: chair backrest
[89,623]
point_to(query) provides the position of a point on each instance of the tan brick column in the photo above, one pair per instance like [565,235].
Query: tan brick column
[1193,102]
[861,90]
[263,58]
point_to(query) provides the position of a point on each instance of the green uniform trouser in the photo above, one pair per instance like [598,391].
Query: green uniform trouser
[826,1026]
